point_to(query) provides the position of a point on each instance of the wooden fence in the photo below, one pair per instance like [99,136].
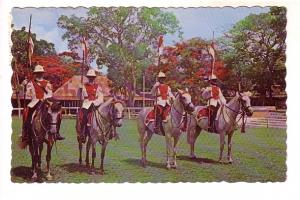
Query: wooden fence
[267,117]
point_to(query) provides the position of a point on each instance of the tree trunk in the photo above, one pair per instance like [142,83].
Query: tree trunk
[132,90]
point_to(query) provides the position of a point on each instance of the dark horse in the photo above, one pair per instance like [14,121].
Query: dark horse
[103,121]
[45,124]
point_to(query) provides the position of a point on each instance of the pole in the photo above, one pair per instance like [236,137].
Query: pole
[81,79]
[213,59]
[158,64]
[144,90]
[29,64]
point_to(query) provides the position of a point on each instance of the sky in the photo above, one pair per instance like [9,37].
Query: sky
[195,22]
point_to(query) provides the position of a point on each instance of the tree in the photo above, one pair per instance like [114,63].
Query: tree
[188,65]
[19,50]
[58,69]
[255,49]
[123,39]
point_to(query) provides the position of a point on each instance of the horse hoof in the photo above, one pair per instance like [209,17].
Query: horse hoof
[87,165]
[193,157]
[34,177]
[174,166]
[143,163]
[49,177]
[101,172]
[168,166]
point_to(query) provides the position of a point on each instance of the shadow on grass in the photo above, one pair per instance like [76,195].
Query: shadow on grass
[76,167]
[25,173]
[200,160]
[137,162]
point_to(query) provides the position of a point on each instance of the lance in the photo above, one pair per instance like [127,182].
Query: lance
[82,70]
[160,41]
[29,62]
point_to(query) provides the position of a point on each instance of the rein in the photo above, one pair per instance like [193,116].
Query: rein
[110,121]
[184,114]
[242,112]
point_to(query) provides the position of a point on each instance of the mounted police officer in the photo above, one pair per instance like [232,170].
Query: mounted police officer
[38,90]
[164,96]
[214,97]
[93,97]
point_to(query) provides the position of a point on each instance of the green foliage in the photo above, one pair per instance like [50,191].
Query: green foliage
[124,39]
[20,45]
[255,49]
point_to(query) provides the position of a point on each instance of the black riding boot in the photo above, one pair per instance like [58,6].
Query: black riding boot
[212,116]
[84,125]
[157,120]
[26,126]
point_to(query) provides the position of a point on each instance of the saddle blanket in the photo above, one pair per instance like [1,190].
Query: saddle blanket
[150,117]
[202,113]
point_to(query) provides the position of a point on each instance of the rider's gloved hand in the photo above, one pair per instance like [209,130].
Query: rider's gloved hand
[156,84]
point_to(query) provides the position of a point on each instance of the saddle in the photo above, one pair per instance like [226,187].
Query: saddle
[150,117]
[202,112]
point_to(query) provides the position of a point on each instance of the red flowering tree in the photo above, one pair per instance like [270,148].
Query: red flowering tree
[58,71]
[188,65]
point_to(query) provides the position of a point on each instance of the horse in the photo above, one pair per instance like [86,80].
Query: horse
[225,123]
[105,118]
[172,128]
[45,125]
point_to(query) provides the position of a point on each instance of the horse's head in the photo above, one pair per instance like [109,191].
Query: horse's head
[117,112]
[186,100]
[244,99]
[53,112]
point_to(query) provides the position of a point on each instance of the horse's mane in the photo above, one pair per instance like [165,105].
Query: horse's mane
[106,104]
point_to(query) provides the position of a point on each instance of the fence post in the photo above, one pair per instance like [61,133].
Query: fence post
[19,112]
[129,115]
[268,115]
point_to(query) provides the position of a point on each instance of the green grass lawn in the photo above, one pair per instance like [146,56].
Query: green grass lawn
[259,155]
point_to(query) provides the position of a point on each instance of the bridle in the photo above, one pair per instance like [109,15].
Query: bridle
[242,112]
[185,108]
[111,119]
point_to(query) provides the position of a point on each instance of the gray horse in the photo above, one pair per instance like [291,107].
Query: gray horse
[104,119]
[181,105]
[225,123]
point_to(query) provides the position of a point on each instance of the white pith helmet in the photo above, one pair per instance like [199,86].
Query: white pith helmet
[161,75]
[91,73]
[38,68]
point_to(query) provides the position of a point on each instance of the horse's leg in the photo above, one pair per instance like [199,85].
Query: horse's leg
[229,156]
[48,159]
[35,161]
[93,156]
[32,153]
[80,149]
[222,143]
[102,157]
[143,144]
[87,155]
[195,133]
[40,156]
[174,163]
[169,148]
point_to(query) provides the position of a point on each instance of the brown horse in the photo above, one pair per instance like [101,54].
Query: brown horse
[45,125]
